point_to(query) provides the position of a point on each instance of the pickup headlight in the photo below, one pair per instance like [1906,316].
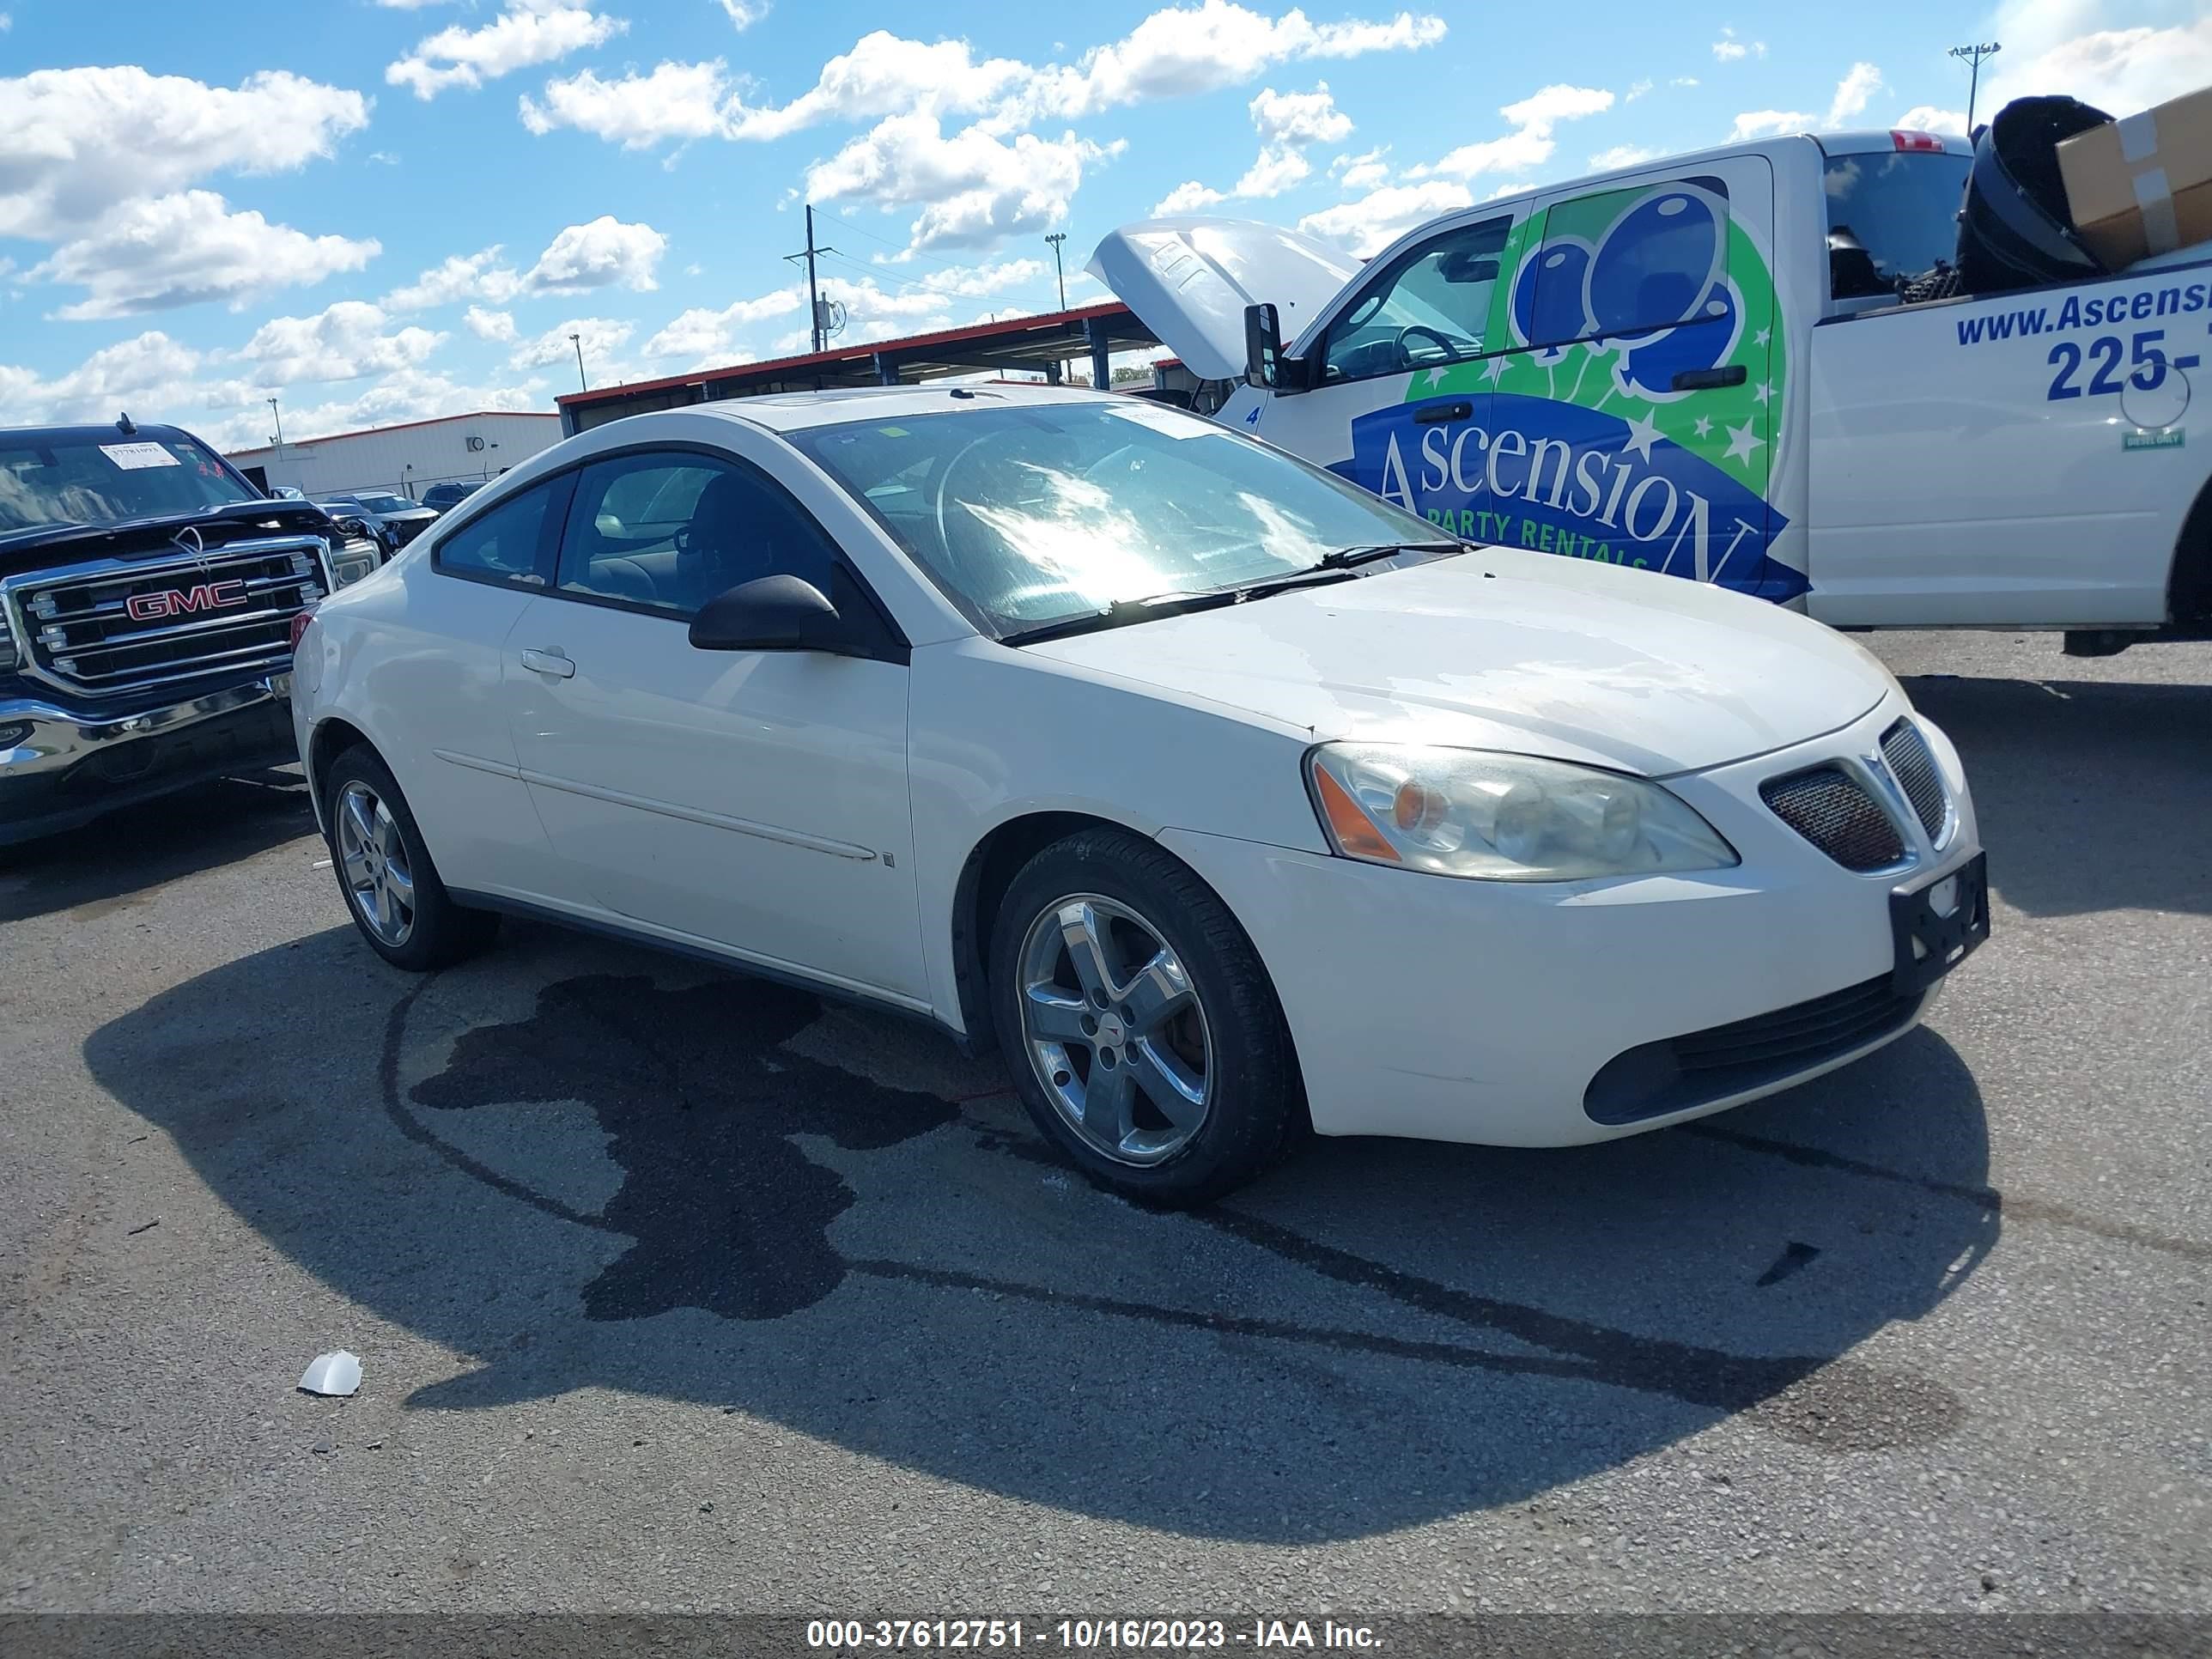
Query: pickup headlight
[1490,816]
[352,560]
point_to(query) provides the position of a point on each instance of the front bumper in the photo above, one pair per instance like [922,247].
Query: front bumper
[1483,1011]
[62,767]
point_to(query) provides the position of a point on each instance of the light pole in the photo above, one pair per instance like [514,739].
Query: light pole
[1972,58]
[1056,239]
[577,341]
[279,419]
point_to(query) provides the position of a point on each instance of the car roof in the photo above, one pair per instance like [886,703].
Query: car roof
[792,412]
[108,432]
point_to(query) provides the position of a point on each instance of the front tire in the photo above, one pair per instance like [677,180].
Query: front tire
[1141,1029]
[384,871]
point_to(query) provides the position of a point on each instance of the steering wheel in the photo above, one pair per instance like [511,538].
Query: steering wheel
[945,487]
[1450,351]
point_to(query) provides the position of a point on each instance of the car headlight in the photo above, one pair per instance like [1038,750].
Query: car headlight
[352,560]
[1490,816]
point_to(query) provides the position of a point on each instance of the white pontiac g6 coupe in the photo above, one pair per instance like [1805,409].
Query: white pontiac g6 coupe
[1225,798]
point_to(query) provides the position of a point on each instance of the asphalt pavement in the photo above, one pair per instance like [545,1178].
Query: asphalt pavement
[678,1290]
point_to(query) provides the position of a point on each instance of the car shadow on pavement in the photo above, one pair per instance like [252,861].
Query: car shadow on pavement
[581,1165]
[587,1166]
[114,861]
[2091,794]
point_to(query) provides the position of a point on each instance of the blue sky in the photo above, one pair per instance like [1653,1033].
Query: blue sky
[382,210]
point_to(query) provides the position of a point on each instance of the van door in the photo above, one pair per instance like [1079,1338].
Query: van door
[1634,417]
[1396,398]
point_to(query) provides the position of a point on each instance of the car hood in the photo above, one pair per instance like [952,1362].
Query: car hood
[1528,652]
[1189,279]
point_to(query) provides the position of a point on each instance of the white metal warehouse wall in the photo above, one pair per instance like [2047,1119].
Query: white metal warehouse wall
[407,458]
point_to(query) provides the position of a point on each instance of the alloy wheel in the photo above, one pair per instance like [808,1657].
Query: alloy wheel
[1114,1030]
[372,857]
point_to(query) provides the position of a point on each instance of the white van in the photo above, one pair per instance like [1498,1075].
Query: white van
[1705,367]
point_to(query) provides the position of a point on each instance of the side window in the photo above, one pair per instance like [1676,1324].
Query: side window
[667,530]
[504,544]
[1626,262]
[1429,306]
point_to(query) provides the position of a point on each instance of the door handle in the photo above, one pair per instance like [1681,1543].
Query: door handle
[1438,414]
[1704,379]
[549,662]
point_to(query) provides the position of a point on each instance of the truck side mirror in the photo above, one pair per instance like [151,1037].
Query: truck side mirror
[1263,346]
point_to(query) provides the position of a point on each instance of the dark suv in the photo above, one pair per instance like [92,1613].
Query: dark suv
[446,497]
[147,597]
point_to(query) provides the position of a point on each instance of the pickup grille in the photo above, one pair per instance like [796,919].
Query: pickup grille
[121,626]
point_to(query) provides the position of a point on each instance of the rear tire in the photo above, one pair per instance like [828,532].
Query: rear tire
[1140,1027]
[386,873]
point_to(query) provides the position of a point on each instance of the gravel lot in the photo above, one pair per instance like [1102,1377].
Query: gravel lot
[681,1292]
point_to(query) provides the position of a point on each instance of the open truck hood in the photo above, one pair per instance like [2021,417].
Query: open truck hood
[1189,279]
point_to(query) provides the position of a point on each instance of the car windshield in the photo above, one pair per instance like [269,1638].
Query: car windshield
[1031,515]
[385,503]
[105,479]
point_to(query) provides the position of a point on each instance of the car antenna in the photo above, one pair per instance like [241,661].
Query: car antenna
[123,425]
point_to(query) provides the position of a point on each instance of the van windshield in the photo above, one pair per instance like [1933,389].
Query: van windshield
[1901,207]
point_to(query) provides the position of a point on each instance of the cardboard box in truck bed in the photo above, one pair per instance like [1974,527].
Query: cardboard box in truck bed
[2143,186]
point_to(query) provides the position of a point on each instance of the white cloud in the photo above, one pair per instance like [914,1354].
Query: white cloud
[603,253]
[485,325]
[1621,156]
[6,22]
[529,32]
[1287,122]
[343,341]
[2083,48]
[1860,82]
[151,369]
[1636,90]
[75,143]
[681,101]
[458,276]
[178,250]
[1927,117]
[409,394]
[1532,140]
[975,188]
[1684,80]
[743,13]
[1362,172]
[702,333]
[1728,49]
[1375,220]
[1853,92]
[601,336]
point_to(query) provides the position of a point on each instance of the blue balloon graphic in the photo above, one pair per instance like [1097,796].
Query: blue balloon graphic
[1651,368]
[1547,294]
[1654,262]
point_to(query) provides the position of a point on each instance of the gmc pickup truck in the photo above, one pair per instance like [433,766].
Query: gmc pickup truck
[1794,368]
[147,599]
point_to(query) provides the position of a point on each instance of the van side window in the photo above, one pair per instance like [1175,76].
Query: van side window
[1625,262]
[1429,306]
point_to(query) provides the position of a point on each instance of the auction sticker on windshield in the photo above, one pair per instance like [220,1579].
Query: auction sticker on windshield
[133,457]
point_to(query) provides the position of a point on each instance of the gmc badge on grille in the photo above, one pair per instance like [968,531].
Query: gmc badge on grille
[182,601]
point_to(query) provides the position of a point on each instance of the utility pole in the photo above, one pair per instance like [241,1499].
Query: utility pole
[813,293]
[1972,58]
[577,341]
[1056,239]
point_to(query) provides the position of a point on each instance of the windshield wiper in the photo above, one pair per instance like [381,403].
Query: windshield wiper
[1120,613]
[1343,558]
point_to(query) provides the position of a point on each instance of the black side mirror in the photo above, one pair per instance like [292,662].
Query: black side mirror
[1263,345]
[772,613]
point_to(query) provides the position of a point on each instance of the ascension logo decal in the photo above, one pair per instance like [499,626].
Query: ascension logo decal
[1587,448]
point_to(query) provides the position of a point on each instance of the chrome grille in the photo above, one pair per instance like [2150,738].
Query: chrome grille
[119,626]
[1832,811]
[1914,767]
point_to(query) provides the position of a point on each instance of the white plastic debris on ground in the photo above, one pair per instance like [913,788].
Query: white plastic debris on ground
[335,1373]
